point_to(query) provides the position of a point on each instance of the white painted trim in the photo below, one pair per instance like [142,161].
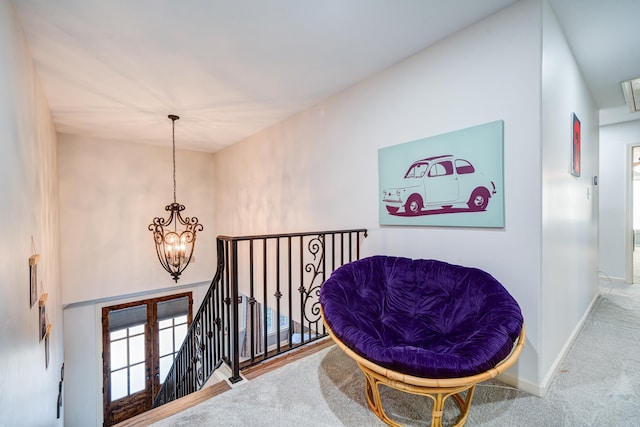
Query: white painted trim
[546,382]
[223,373]
[628,242]
[522,384]
[604,278]
[136,295]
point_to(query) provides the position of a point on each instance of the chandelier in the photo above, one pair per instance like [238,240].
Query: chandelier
[175,237]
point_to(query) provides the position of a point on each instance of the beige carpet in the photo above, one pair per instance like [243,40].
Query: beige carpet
[597,384]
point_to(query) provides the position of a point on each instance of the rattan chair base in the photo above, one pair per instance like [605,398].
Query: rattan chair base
[438,395]
[438,390]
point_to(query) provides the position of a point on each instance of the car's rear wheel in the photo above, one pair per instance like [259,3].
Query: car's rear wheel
[479,199]
[413,205]
[392,209]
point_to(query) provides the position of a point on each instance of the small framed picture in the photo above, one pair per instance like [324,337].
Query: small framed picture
[42,316]
[46,351]
[575,150]
[33,279]
[43,322]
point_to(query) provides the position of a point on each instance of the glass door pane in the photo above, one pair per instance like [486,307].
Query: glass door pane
[128,356]
[171,333]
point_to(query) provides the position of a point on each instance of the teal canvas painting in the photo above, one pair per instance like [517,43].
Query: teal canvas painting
[453,180]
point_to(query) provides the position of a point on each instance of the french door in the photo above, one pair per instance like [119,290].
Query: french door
[139,342]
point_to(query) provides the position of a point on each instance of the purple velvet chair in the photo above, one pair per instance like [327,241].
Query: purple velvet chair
[422,326]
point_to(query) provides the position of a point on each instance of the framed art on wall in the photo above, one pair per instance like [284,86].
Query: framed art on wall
[33,279]
[42,316]
[575,146]
[47,352]
[451,180]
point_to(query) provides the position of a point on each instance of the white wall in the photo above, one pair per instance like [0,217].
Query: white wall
[81,382]
[615,236]
[569,203]
[110,192]
[28,190]
[318,170]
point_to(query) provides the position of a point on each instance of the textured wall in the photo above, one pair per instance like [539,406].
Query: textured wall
[109,193]
[28,190]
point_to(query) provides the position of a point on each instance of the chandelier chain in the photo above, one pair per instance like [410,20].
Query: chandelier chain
[173,122]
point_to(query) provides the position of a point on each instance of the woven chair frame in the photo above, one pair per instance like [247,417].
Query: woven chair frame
[437,389]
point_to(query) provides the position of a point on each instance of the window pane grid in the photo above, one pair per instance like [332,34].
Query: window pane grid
[128,358]
[171,334]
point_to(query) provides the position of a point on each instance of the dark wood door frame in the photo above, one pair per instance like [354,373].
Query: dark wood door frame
[134,404]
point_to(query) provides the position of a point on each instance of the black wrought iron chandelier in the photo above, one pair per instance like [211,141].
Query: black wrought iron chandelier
[175,237]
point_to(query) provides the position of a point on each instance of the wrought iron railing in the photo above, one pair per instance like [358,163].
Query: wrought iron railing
[275,282]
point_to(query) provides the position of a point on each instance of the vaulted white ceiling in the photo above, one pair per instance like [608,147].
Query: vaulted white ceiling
[115,69]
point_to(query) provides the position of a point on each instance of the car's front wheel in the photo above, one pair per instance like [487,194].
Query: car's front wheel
[413,205]
[479,199]
[392,209]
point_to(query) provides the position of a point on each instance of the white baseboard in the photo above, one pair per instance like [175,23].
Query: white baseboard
[521,384]
[541,389]
[604,279]
[546,382]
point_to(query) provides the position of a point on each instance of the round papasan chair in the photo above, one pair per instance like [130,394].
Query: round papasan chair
[422,326]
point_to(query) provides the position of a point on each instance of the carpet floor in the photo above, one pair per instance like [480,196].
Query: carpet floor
[598,383]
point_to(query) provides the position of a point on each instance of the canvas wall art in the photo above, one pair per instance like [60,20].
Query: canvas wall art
[575,146]
[453,180]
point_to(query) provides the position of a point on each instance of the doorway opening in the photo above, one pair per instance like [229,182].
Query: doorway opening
[635,212]
[139,341]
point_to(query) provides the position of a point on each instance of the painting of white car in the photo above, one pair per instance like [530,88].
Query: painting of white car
[440,184]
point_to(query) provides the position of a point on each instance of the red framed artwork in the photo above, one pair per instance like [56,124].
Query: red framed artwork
[575,151]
